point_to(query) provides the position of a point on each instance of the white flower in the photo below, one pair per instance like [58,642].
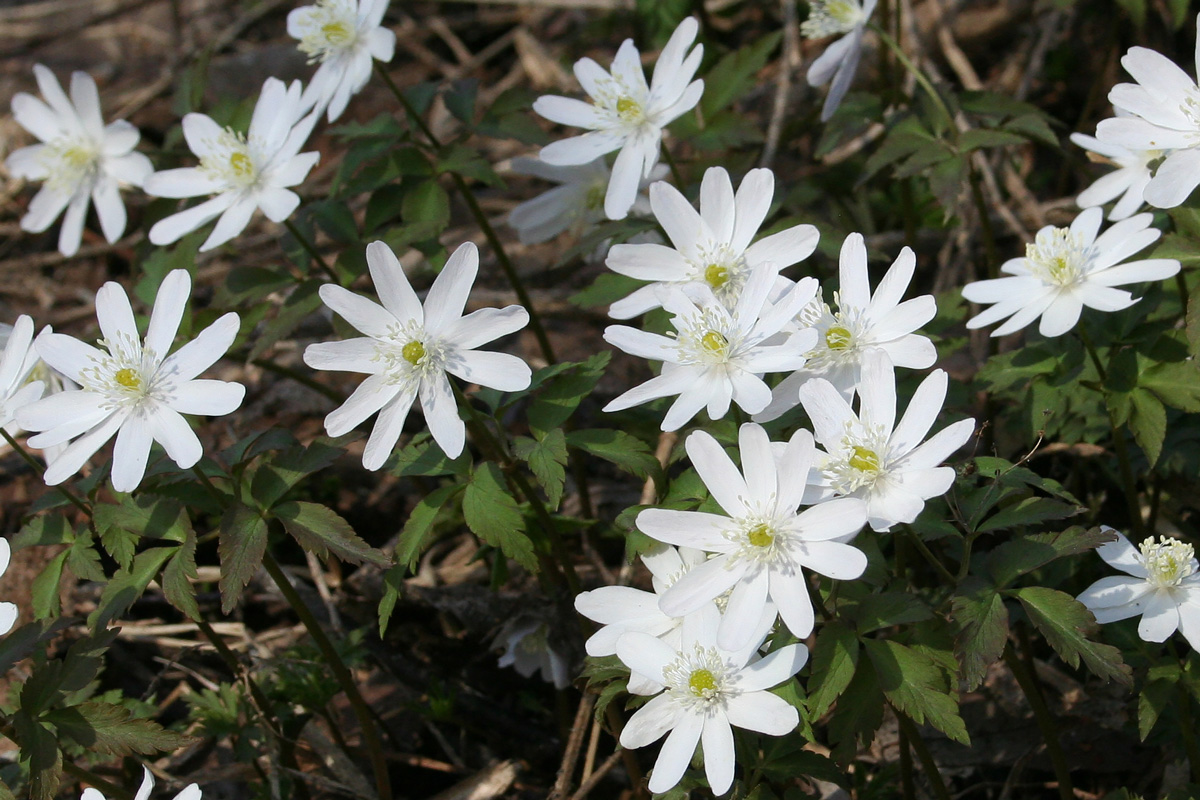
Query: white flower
[408,349]
[625,113]
[1066,269]
[869,456]
[244,172]
[840,60]
[344,36]
[80,159]
[1128,181]
[190,792]
[717,356]
[1160,112]
[862,323]
[34,371]
[8,611]
[132,388]
[1164,589]
[712,247]
[527,649]
[708,690]
[764,541]
[576,204]
[17,386]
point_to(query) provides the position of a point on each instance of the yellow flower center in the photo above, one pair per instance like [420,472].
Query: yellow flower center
[628,109]
[714,343]
[1168,562]
[128,378]
[336,33]
[761,535]
[413,352]
[716,275]
[702,682]
[864,460]
[241,164]
[838,338]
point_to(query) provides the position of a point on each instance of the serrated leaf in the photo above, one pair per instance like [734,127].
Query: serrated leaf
[44,589]
[1193,324]
[44,530]
[617,447]
[83,559]
[1066,623]
[113,730]
[1156,694]
[557,398]
[21,642]
[1148,423]
[1024,554]
[414,537]
[981,629]
[493,515]
[129,584]
[279,473]
[321,531]
[241,545]
[885,609]
[460,99]
[858,714]
[547,458]
[917,687]
[735,72]
[303,301]
[1177,384]
[393,583]
[1028,511]
[177,578]
[422,456]
[835,657]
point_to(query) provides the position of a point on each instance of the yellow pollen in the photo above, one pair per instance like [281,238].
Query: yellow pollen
[78,157]
[241,164]
[413,352]
[838,338]
[716,275]
[336,33]
[864,460]
[628,109]
[128,378]
[714,343]
[760,535]
[702,681]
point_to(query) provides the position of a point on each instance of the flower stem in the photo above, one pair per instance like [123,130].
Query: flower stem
[1118,438]
[920,76]
[934,776]
[510,272]
[362,712]
[907,788]
[985,223]
[1187,730]
[312,250]
[1044,719]
[930,557]
[40,470]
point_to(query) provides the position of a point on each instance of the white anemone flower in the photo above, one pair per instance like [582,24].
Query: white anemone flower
[1127,182]
[131,388]
[344,37]
[528,649]
[711,247]
[864,322]
[840,60]
[625,114]
[8,611]
[408,348]
[33,371]
[763,542]
[244,172]
[1159,112]
[576,204]
[190,792]
[1066,269]
[80,159]
[706,691]
[868,455]
[18,387]
[717,356]
[1164,589]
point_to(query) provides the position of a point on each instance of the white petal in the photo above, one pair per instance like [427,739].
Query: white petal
[176,436]
[494,370]
[169,305]
[202,352]
[441,415]
[387,430]
[645,655]
[115,314]
[486,325]
[762,712]
[208,398]
[717,739]
[650,722]
[351,355]
[676,752]
[773,669]
[785,248]
[232,222]
[720,476]
[448,296]
[170,229]
[1160,618]
[131,453]
[365,315]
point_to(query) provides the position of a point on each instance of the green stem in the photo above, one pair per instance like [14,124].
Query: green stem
[301,378]
[311,249]
[909,730]
[489,232]
[930,557]
[907,786]
[1187,730]
[1044,719]
[985,222]
[41,470]
[370,735]
[208,485]
[1124,463]
[921,79]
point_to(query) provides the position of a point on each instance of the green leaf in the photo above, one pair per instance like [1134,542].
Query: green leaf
[858,714]
[242,543]
[129,584]
[981,629]
[547,458]
[393,584]
[336,219]
[428,206]
[1177,384]
[113,730]
[20,643]
[627,452]
[886,609]
[460,99]
[1158,691]
[1193,324]
[1028,511]
[1148,423]
[980,138]
[278,474]
[422,456]
[1024,554]
[177,578]
[917,687]
[44,589]
[1066,623]
[608,288]
[557,398]
[303,301]
[835,658]
[414,537]
[44,530]
[735,72]
[321,531]
[493,515]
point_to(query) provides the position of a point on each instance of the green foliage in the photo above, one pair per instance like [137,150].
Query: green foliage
[494,516]
[1067,624]
[735,72]
[546,455]
[917,685]
[321,531]
[981,629]
[241,546]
